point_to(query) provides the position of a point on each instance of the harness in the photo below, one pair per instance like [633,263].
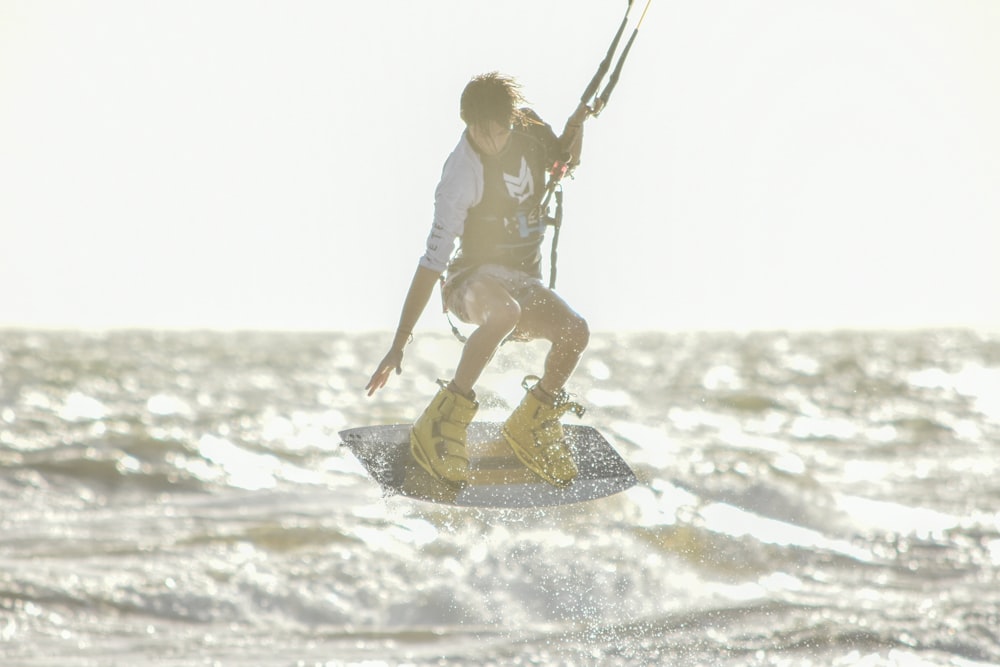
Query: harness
[555,221]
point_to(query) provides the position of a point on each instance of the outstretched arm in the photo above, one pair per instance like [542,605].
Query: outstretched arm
[421,288]
[571,140]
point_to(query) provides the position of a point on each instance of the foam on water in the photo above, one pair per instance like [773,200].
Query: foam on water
[808,499]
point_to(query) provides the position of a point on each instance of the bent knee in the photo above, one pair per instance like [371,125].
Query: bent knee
[491,306]
[504,315]
[577,332]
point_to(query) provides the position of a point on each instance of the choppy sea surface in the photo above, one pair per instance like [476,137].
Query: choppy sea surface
[182,498]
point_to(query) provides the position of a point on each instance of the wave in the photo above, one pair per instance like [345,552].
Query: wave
[808,498]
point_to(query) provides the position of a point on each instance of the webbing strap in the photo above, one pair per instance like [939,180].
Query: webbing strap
[444,309]
[555,221]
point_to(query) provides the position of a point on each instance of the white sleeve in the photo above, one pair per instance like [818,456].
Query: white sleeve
[460,188]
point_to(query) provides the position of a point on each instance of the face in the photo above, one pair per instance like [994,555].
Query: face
[490,138]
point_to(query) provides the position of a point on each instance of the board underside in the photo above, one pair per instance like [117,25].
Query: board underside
[496,477]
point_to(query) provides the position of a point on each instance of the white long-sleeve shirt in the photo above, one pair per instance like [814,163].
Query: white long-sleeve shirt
[460,188]
[492,202]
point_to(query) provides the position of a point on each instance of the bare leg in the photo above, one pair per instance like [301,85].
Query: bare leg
[545,315]
[497,313]
[533,430]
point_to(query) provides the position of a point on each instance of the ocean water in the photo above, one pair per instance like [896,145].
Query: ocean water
[182,498]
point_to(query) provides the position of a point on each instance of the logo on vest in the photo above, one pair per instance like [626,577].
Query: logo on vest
[522,186]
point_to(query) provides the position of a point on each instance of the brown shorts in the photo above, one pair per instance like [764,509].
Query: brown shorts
[517,283]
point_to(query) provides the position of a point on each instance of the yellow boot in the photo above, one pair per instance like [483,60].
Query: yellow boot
[534,433]
[438,438]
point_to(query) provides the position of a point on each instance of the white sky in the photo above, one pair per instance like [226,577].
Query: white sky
[763,164]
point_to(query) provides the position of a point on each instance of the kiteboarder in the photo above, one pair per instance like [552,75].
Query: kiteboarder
[489,201]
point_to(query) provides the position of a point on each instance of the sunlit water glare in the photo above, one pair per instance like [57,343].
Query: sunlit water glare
[804,499]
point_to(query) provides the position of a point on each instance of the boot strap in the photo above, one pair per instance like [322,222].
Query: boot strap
[453,449]
[560,401]
[451,431]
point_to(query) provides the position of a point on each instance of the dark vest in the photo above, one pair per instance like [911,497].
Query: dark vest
[506,226]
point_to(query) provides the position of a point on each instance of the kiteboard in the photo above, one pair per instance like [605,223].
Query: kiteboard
[496,477]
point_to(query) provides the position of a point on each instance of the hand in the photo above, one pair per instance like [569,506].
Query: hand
[571,143]
[392,361]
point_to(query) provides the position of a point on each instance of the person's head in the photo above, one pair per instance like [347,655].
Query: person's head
[490,104]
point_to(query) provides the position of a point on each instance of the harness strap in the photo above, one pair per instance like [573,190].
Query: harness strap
[444,309]
[555,221]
